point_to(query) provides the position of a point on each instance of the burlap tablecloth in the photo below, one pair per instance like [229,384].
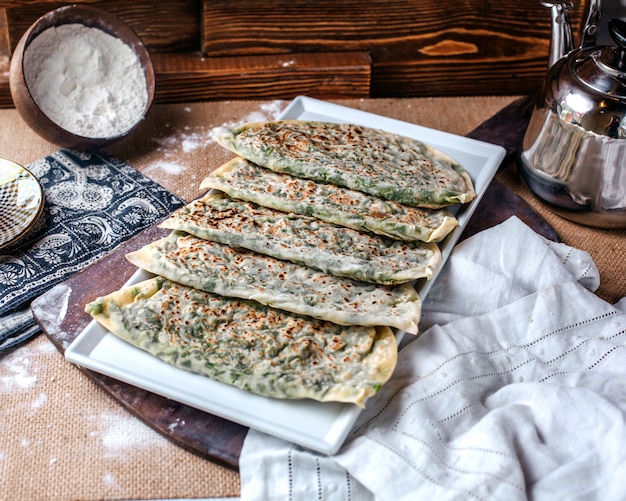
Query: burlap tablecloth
[61,437]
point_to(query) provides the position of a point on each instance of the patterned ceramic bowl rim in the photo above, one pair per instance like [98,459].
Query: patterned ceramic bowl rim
[21,201]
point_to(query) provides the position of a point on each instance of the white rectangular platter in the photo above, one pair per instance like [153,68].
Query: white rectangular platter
[322,427]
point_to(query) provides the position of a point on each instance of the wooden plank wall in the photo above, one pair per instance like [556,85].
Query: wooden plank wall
[244,49]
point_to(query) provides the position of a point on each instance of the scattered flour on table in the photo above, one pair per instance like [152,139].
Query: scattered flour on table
[121,434]
[53,307]
[186,141]
[110,481]
[268,111]
[17,371]
[85,80]
[169,168]
[41,399]
[175,424]
[171,148]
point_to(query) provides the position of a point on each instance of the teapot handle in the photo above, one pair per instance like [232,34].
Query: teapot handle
[590,28]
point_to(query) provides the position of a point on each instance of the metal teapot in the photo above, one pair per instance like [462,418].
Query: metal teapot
[574,151]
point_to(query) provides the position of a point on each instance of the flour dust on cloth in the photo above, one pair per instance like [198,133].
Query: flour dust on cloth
[516,391]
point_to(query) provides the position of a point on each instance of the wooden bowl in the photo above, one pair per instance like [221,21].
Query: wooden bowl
[25,103]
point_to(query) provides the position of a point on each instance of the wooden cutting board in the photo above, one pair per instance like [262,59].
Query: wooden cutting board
[204,434]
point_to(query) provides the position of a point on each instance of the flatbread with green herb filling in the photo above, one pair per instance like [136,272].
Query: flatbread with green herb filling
[382,164]
[243,343]
[220,269]
[245,180]
[306,240]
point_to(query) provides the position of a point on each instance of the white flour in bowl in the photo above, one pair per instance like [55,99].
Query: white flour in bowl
[85,80]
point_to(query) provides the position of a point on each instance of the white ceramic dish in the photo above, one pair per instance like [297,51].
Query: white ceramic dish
[21,201]
[322,427]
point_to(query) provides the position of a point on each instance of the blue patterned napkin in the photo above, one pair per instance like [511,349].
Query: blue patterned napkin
[93,203]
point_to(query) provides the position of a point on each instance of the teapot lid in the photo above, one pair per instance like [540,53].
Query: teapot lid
[604,68]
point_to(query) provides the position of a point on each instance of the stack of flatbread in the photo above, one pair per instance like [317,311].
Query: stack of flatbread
[289,280]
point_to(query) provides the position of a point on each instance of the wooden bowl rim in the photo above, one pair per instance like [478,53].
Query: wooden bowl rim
[91,17]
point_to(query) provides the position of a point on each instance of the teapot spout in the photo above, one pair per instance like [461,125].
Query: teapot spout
[561,42]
